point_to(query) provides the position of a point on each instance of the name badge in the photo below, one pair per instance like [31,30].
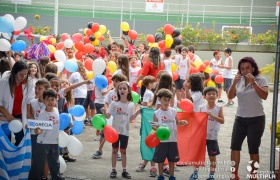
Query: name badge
[33,124]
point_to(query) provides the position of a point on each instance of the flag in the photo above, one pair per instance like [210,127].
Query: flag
[15,161]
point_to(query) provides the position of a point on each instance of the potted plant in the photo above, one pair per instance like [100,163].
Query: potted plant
[269,70]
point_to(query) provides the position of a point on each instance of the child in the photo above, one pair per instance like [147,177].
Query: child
[123,66]
[167,149]
[47,140]
[133,72]
[34,71]
[167,61]
[227,74]
[215,118]
[192,55]
[124,114]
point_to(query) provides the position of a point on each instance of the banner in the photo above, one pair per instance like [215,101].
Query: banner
[32,124]
[154,5]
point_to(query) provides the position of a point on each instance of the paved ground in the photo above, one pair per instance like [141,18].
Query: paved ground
[87,168]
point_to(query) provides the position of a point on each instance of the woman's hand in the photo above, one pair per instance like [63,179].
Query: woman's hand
[250,78]
[236,78]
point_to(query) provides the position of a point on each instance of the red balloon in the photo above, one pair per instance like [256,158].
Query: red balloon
[168,29]
[79,55]
[194,70]
[150,39]
[95,27]
[51,55]
[79,46]
[88,64]
[89,32]
[186,105]
[215,72]
[49,37]
[219,79]
[162,50]
[101,38]
[175,76]
[86,39]
[77,37]
[88,48]
[111,135]
[206,62]
[109,78]
[202,67]
[152,140]
[161,44]
[59,46]
[16,33]
[132,34]
[65,36]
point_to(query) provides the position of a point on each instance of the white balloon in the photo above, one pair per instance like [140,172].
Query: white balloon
[60,66]
[110,121]
[20,23]
[10,17]
[63,166]
[15,126]
[63,139]
[75,147]
[5,45]
[98,66]
[81,118]
[60,56]
[68,43]
[6,35]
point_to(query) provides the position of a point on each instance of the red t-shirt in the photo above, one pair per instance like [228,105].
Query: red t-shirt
[18,96]
[149,69]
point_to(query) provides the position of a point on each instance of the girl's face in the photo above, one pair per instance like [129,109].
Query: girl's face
[39,90]
[188,83]
[64,84]
[113,57]
[184,53]
[133,62]
[17,58]
[21,75]
[33,69]
[69,52]
[55,85]
[114,48]
[123,90]
[218,56]
[141,48]
[226,54]
[116,83]
[246,68]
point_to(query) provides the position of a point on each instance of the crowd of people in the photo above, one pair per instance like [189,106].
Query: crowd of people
[34,89]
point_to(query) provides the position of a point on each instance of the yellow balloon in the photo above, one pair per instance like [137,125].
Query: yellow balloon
[211,84]
[139,83]
[102,29]
[85,31]
[124,26]
[51,48]
[42,38]
[95,42]
[168,45]
[90,75]
[198,62]
[154,45]
[169,40]
[112,66]
[173,67]
[97,34]
[208,70]
[53,40]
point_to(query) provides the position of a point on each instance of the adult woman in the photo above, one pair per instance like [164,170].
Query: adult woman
[16,92]
[250,89]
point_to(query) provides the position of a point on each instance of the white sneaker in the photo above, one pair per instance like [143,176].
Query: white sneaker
[96,138]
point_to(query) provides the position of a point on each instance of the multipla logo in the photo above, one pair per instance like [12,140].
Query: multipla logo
[254,173]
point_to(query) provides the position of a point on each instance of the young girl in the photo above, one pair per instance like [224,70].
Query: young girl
[34,71]
[123,66]
[133,72]
[42,64]
[114,56]
[124,113]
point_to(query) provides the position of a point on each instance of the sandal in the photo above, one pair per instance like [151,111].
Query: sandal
[113,174]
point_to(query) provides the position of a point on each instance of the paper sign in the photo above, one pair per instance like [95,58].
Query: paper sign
[154,5]
[32,124]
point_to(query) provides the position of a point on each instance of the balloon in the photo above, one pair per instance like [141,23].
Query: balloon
[202,67]
[175,76]
[211,84]
[80,118]
[179,110]
[5,45]
[42,38]
[95,42]
[95,27]
[78,127]
[132,34]
[152,140]
[98,66]
[186,105]
[124,26]
[65,120]
[78,110]
[135,97]
[10,17]
[90,75]
[140,83]
[18,46]
[63,139]
[219,79]
[89,32]
[60,66]
[168,29]
[98,121]
[89,25]
[154,45]
[208,70]
[109,78]
[158,37]
[20,23]
[79,46]
[88,64]
[161,44]
[215,72]
[163,133]
[168,40]
[176,41]
[97,34]
[206,62]
[102,29]
[6,25]
[77,37]
[194,70]
[15,126]
[173,67]
[79,55]
[53,40]
[9,35]
[88,48]
[111,135]
[60,56]
[75,147]
[71,66]
[101,81]
[112,66]
[51,48]
[65,36]
[86,39]
[68,43]
[62,165]
[92,38]
[176,33]
[101,38]
[5,129]
[150,38]
[59,46]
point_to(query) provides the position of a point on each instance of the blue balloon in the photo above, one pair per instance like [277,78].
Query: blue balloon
[78,110]
[101,81]
[71,66]
[18,46]
[5,128]
[78,127]
[65,120]
[70,110]
[6,25]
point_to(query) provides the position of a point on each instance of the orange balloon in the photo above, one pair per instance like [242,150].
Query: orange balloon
[215,72]
[65,36]
[109,78]
[219,79]
[161,44]
[59,46]
[202,67]
[77,37]
[150,38]
[86,40]
[168,29]
[79,55]
[132,34]
[89,32]
[152,140]
[101,38]
[206,62]
[186,105]
[175,76]
[111,135]
[88,64]
[79,46]
[194,70]
[88,48]
[95,27]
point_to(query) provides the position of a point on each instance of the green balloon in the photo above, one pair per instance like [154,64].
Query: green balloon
[163,133]
[135,97]
[179,110]
[99,121]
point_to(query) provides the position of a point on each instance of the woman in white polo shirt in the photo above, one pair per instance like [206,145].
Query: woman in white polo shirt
[250,89]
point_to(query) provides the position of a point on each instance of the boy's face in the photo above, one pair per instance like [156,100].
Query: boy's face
[154,84]
[39,90]
[164,101]
[184,53]
[50,102]
[211,96]
[226,54]
[116,83]
[55,85]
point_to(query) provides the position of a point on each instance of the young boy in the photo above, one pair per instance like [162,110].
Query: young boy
[47,140]
[167,61]
[192,55]
[215,118]
[166,115]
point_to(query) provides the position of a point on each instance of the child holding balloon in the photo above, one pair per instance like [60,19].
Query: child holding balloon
[124,111]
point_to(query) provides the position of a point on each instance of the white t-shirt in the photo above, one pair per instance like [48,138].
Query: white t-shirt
[133,74]
[197,100]
[99,98]
[111,96]
[148,96]
[37,107]
[123,112]
[49,136]
[119,71]
[227,73]
[81,91]
[215,64]
[178,57]
[183,68]
[213,126]
[168,118]
[167,65]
